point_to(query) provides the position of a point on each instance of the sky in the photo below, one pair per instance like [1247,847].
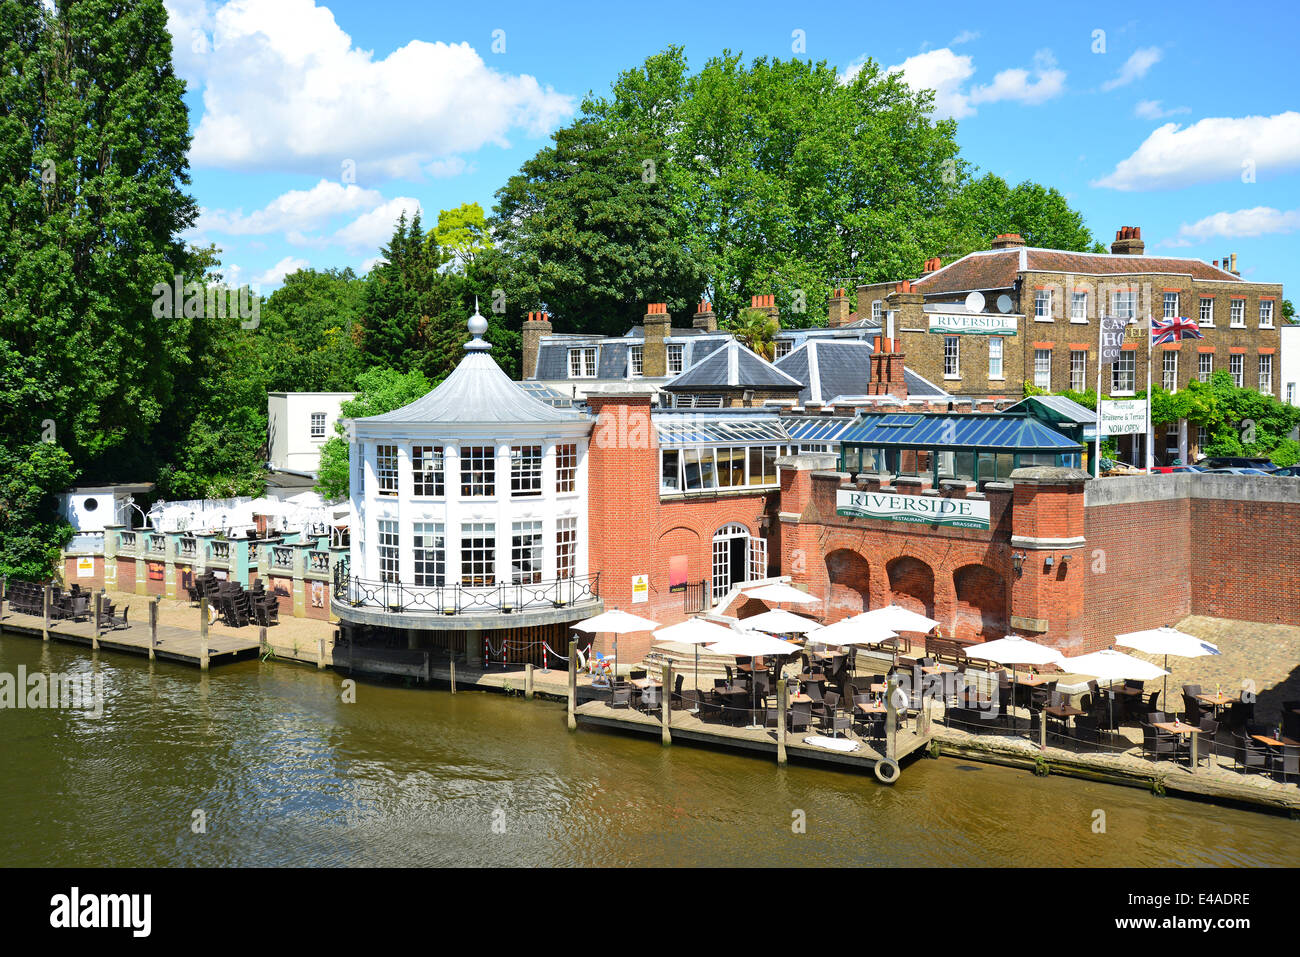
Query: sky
[316,124]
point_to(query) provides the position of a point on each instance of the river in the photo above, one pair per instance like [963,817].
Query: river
[264,764]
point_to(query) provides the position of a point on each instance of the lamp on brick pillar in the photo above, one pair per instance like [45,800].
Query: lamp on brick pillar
[654,351]
[1047,518]
[536,326]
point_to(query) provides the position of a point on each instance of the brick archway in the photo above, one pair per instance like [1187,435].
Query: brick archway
[911,584]
[980,610]
[848,581]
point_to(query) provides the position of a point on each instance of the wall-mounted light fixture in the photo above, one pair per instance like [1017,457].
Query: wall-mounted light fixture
[1018,561]
[1065,559]
[1047,562]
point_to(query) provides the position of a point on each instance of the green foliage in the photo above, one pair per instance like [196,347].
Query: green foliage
[31,531]
[755,330]
[378,391]
[307,332]
[1288,310]
[463,232]
[987,206]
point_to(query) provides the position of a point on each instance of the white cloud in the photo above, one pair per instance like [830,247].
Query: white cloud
[293,211]
[947,73]
[275,275]
[966,36]
[1243,223]
[1135,67]
[369,264]
[284,88]
[1152,110]
[1215,148]
[371,230]
[1015,84]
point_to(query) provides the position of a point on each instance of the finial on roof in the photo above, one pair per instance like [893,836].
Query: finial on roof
[477,325]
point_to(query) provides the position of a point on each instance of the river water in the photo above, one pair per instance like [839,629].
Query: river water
[271,767]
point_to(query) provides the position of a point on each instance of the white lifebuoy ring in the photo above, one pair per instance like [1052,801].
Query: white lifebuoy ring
[886,771]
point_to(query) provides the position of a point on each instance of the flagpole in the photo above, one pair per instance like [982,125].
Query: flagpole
[1096,450]
[1150,451]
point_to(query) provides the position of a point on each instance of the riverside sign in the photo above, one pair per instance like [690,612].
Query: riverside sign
[916,509]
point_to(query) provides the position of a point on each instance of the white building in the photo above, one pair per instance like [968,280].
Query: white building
[1290,363]
[298,423]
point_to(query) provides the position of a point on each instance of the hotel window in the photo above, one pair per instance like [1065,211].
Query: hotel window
[430,551]
[566,468]
[318,418]
[1078,370]
[1171,305]
[951,357]
[1043,368]
[1124,303]
[1237,313]
[1290,393]
[669,471]
[566,547]
[478,551]
[426,469]
[1266,313]
[1123,374]
[1079,307]
[995,358]
[1169,379]
[582,363]
[1207,311]
[781,348]
[386,468]
[1237,366]
[875,311]
[1202,437]
[1266,374]
[674,359]
[526,553]
[388,551]
[1205,366]
[1043,304]
[525,470]
[635,354]
[478,470]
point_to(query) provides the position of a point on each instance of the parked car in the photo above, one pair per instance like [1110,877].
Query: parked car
[1237,472]
[1167,469]
[1290,471]
[1237,462]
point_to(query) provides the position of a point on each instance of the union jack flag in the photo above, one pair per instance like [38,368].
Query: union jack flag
[1174,329]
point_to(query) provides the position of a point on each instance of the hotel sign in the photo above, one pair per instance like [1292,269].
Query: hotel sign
[917,509]
[972,324]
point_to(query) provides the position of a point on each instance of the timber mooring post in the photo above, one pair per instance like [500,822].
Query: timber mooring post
[320,658]
[891,717]
[4,585]
[453,672]
[573,683]
[203,634]
[45,604]
[99,604]
[782,702]
[668,702]
[528,681]
[261,639]
[153,629]
[1042,729]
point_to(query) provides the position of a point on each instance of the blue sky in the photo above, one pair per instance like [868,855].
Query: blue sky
[316,123]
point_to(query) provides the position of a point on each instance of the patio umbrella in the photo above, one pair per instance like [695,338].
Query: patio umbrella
[781,593]
[616,622]
[1016,650]
[1166,641]
[851,631]
[693,631]
[900,619]
[752,644]
[1112,665]
[780,622]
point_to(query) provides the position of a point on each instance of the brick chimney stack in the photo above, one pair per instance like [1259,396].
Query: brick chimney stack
[1008,241]
[931,265]
[887,369]
[906,308]
[1128,242]
[839,309]
[654,351]
[705,318]
[767,304]
[536,327]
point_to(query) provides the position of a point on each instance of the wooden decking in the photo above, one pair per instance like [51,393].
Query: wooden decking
[174,643]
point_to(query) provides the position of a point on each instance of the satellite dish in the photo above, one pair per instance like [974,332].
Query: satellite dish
[1004,303]
[975,302]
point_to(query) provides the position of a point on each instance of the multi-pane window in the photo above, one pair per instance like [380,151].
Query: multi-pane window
[386,468]
[566,467]
[995,358]
[1266,374]
[876,311]
[1043,304]
[1205,366]
[1123,374]
[582,363]
[526,553]
[566,547]
[1202,437]
[478,470]
[1043,368]
[1123,303]
[1237,366]
[388,551]
[427,470]
[478,550]
[318,423]
[635,354]
[429,547]
[781,348]
[1078,370]
[1079,307]
[1169,372]
[1266,313]
[1207,311]
[1237,313]
[525,470]
[674,359]
[713,468]
[1171,305]
[1290,393]
[951,357]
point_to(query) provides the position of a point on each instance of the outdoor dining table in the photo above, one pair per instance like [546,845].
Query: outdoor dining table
[1033,681]
[1064,713]
[937,669]
[644,683]
[1215,701]
[1273,742]
[1182,727]
[873,707]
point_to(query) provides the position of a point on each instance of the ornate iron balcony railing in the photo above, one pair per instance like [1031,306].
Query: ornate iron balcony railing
[465,599]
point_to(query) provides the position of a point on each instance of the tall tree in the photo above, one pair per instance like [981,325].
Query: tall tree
[987,206]
[378,391]
[308,332]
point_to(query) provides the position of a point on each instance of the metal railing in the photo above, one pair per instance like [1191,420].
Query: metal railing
[695,598]
[465,599]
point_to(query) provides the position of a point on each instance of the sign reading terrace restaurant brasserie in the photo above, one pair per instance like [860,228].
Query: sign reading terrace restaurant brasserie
[917,509]
[972,324]
[1123,416]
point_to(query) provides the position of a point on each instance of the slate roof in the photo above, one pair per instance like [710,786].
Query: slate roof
[1059,409]
[732,367]
[995,431]
[829,368]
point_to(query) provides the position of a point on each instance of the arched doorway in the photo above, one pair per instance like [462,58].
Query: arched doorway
[981,609]
[737,558]
[911,584]
[848,579]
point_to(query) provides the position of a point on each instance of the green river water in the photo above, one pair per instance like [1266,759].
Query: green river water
[285,773]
